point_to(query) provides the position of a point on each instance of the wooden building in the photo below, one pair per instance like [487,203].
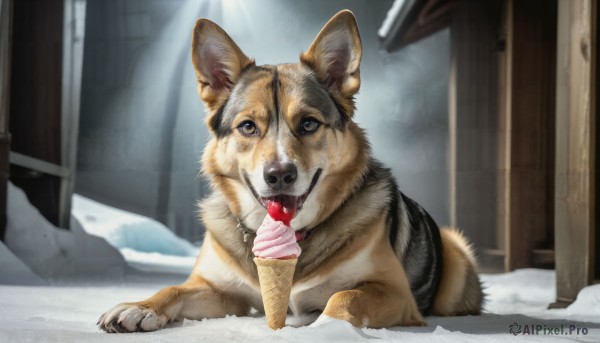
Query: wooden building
[523,108]
[40,72]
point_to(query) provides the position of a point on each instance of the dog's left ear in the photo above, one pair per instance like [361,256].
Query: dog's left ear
[335,55]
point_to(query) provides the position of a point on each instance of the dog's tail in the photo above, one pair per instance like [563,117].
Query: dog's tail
[459,291]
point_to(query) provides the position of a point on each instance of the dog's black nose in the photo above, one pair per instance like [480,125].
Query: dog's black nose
[280,175]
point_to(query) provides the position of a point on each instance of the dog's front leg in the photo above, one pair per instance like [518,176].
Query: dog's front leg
[194,299]
[374,305]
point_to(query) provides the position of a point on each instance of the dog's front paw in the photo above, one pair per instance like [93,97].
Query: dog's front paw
[131,318]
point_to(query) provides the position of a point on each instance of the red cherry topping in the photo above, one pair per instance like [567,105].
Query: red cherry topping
[280,213]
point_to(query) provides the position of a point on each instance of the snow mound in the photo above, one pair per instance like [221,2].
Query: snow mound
[586,308]
[230,329]
[521,291]
[587,303]
[158,263]
[51,252]
[14,271]
[126,230]
[530,291]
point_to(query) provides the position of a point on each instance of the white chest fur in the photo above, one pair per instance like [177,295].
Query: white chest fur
[306,296]
[223,276]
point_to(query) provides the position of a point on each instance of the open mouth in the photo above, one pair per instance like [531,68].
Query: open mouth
[288,201]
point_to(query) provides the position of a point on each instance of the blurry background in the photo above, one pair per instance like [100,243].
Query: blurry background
[141,128]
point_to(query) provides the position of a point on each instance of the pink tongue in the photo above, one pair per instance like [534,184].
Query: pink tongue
[280,213]
[300,235]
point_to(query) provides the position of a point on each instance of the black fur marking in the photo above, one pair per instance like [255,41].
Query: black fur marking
[220,122]
[314,180]
[393,218]
[437,248]
[343,119]
[422,280]
[317,96]
[216,122]
[422,258]
[248,66]
[275,86]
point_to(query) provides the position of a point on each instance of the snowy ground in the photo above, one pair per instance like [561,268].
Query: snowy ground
[68,313]
[65,309]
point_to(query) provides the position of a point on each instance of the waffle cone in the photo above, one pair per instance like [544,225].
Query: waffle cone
[275,277]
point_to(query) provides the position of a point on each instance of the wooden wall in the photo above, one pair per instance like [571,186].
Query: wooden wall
[36,78]
[35,102]
[502,85]
[524,163]
[473,122]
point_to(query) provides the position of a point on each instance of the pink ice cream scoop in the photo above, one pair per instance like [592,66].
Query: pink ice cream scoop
[275,239]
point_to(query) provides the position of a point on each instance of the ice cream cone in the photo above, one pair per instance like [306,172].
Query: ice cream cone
[275,277]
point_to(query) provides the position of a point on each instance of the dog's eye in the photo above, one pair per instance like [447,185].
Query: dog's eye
[308,126]
[248,128]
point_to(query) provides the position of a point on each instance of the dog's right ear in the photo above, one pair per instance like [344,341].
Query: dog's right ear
[218,62]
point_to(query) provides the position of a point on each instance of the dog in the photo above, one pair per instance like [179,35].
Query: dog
[370,255]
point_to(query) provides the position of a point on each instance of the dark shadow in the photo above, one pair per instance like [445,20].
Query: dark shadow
[499,324]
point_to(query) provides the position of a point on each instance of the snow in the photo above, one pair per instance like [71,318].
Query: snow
[69,313]
[14,271]
[145,243]
[506,294]
[157,262]
[80,283]
[54,253]
[123,229]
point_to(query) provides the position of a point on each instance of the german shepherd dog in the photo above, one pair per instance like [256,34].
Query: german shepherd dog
[370,255]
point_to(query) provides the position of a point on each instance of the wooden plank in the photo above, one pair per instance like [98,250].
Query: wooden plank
[532,46]
[575,153]
[5,54]
[505,141]
[35,106]
[38,165]
[452,137]
[5,58]
[473,120]
[597,164]
[35,99]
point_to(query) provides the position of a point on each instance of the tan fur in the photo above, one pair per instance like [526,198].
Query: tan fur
[196,298]
[459,292]
[384,299]
[348,166]
[347,269]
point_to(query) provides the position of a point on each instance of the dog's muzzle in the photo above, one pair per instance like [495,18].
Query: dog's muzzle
[280,196]
[280,176]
